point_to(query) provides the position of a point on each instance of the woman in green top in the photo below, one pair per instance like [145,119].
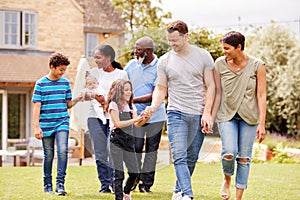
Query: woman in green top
[241,80]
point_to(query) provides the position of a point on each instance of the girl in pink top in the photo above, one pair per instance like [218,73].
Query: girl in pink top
[124,116]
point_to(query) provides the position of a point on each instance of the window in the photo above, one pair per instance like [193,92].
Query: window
[14,115]
[91,44]
[18,30]
[30,29]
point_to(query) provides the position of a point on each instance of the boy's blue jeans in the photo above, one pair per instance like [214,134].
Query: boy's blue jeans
[237,140]
[186,138]
[61,139]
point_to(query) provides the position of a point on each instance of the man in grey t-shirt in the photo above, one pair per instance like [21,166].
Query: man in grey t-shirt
[186,73]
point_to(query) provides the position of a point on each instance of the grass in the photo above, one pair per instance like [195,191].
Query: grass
[266,181]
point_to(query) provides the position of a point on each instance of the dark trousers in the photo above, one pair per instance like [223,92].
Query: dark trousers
[149,136]
[122,150]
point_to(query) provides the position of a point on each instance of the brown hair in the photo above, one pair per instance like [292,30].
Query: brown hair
[179,26]
[58,59]
[116,94]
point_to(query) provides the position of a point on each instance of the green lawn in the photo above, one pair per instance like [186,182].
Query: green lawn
[266,182]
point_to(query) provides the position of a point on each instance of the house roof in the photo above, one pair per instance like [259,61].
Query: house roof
[101,16]
[26,68]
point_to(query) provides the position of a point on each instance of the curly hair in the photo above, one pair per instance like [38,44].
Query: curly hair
[58,59]
[116,94]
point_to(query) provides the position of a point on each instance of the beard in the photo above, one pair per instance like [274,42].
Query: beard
[139,60]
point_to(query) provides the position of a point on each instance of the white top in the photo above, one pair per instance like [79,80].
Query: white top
[105,80]
[95,105]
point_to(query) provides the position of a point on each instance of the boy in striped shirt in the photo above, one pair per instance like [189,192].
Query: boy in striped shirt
[51,99]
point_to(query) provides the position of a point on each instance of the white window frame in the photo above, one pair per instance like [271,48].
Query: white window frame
[3,32]
[20,29]
[32,26]
[90,45]
[4,116]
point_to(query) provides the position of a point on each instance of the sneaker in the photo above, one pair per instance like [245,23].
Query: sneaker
[177,196]
[48,188]
[112,187]
[144,189]
[126,196]
[60,189]
[186,198]
[104,191]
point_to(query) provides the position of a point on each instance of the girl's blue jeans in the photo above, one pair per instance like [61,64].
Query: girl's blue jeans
[61,139]
[237,141]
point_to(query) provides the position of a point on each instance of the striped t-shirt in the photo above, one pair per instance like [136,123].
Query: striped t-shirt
[52,95]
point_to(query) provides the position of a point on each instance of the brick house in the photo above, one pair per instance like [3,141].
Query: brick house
[30,31]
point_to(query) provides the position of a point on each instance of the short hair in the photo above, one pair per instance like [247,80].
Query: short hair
[234,38]
[179,26]
[146,42]
[57,59]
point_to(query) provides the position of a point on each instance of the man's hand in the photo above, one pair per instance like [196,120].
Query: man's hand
[151,109]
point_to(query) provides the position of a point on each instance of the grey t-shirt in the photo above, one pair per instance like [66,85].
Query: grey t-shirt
[184,78]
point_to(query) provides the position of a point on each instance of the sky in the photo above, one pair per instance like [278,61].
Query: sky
[221,15]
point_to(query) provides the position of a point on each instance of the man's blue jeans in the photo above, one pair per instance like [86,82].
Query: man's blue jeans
[237,140]
[186,138]
[62,156]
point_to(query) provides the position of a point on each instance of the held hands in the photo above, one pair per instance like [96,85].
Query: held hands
[143,118]
[77,99]
[151,109]
[207,123]
[87,96]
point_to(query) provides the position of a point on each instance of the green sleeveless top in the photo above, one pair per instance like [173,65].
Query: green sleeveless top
[238,91]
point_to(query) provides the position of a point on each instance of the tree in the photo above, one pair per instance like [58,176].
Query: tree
[199,37]
[157,34]
[279,48]
[144,19]
[207,40]
[141,13]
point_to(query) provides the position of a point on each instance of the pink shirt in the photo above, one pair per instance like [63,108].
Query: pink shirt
[113,106]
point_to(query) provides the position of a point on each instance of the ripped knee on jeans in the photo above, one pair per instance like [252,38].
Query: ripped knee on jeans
[244,160]
[228,156]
